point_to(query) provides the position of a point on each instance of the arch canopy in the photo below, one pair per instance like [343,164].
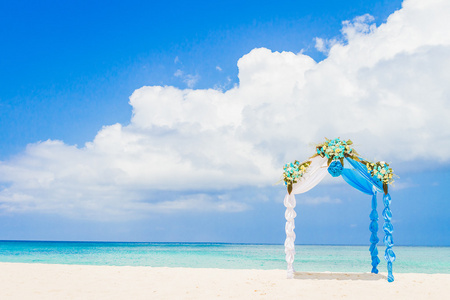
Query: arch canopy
[358,176]
[365,176]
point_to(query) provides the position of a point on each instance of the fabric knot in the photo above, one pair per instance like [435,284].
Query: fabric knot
[335,168]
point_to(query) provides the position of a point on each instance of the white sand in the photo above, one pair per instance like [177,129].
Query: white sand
[43,281]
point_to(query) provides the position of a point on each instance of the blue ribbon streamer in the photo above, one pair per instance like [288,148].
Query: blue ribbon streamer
[389,254]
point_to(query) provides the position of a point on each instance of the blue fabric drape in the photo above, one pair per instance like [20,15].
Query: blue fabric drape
[389,254]
[362,170]
[356,180]
[360,179]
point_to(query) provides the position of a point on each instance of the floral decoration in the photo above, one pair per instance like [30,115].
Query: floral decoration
[381,170]
[293,172]
[335,149]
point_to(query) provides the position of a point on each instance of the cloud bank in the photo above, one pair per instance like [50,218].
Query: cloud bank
[384,87]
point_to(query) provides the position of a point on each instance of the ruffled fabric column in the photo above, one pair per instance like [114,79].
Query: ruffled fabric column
[389,254]
[289,244]
[374,237]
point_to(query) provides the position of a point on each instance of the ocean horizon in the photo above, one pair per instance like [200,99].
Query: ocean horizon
[313,258]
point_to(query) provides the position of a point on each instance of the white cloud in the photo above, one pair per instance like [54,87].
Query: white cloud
[359,25]
[386,88]
[198,202]
[178,73]
[350,29]
[323,45]
[318,200]
[224,85]
[189,79]
[218,68]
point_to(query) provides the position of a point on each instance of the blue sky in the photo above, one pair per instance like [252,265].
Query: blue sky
[68,70]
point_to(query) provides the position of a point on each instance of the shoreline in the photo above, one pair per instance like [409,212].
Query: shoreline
[55,281]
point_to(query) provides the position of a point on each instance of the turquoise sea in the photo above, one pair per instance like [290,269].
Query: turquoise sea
[229,256]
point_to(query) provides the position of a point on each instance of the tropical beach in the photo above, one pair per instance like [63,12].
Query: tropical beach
[225,149]
[46,281]
[96,270]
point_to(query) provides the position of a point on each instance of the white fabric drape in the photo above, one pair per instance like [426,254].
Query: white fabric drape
[315,173]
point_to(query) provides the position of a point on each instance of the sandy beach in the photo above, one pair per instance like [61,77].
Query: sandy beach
[46,281]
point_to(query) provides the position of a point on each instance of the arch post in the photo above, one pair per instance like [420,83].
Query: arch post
[374,236]
[389,254]
[289,244]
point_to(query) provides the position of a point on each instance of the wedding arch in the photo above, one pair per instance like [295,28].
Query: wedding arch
[365,176]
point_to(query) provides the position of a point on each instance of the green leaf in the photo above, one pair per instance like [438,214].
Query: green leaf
[289,188]
[356,158]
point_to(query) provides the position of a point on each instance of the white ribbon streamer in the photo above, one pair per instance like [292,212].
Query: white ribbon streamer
[314,174]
